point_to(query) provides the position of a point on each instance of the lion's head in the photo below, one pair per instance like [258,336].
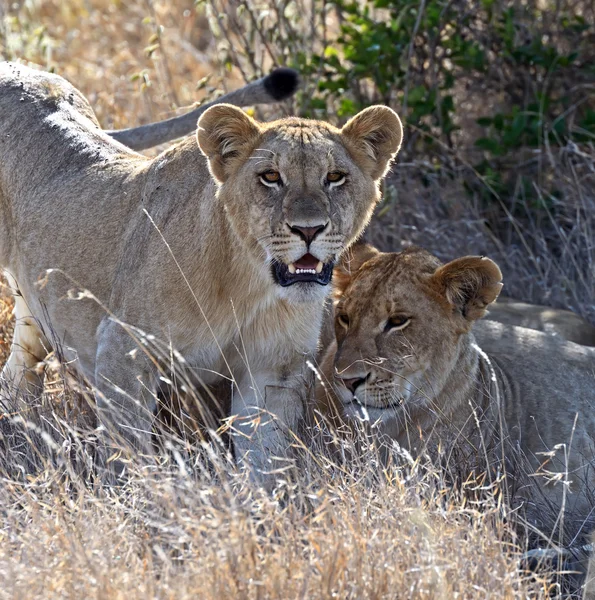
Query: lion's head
[398,321]
[297,192]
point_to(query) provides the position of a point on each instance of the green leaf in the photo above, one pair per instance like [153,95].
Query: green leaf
[489,145]
[416,95]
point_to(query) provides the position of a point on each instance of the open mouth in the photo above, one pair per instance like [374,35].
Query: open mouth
[307,269]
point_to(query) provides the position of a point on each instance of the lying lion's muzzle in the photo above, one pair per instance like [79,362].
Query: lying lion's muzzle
[308,269]
[362,392]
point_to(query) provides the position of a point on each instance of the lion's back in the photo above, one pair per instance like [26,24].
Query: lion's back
[46,121]
[547,395]
[561,323]
[50,141]
[19,83]
[545,369]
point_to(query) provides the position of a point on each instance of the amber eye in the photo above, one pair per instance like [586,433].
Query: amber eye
[397,322]
[269,177]
[335,178]
[343,319]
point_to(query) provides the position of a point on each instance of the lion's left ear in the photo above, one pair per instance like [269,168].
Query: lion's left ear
[352,260]
[374,137]
[226,135]
[469,284]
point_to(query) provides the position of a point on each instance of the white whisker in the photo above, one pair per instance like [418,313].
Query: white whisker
[265,150]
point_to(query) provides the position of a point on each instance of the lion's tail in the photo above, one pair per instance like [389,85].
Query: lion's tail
[278,85]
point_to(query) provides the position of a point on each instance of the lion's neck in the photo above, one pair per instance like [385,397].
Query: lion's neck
[469,400]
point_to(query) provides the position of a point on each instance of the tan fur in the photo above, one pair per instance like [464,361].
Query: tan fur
[562,323]
[429,384]
[163,249]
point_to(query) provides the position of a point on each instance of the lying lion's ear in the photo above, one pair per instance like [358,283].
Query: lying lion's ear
[374,137]
[470,284]
[350,263]
[226,135]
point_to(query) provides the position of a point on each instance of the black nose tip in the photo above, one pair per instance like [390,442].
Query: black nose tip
[353,384]
[308,234]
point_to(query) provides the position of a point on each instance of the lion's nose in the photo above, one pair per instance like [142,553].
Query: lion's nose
[353,383]
[308,234]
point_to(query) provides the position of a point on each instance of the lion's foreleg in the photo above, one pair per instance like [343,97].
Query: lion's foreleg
[125,391]
[21,378]
[267,411]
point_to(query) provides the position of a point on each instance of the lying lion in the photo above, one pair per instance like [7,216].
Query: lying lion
[562,323]
[218,253]
[498,399]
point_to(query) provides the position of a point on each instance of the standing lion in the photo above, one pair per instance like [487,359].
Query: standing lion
[219,252]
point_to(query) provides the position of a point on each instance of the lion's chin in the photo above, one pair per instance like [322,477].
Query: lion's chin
[385,421]
[304,292]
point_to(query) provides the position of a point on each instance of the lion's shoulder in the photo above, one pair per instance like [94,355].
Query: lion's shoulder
[43,115]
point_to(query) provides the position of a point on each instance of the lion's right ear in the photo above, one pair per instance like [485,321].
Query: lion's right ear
[226,135]
[352,260]
[469,284]
[374,137]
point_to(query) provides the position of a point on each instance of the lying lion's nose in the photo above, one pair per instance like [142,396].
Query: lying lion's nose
[353,383]
[308,234]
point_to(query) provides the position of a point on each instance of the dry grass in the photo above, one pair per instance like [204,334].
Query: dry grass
[185,530]
[361,532]
[6,325]
[135,61]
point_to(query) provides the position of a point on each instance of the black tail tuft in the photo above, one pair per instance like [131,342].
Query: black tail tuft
[281,83]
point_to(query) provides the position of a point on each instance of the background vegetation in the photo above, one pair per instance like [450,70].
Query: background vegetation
[499,159]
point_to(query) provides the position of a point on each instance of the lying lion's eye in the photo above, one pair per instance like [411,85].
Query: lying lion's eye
[335,178]
[397,322]
[343,320]
[270,177]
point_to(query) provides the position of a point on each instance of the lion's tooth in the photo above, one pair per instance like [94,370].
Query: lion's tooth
[291,268]
[319,267]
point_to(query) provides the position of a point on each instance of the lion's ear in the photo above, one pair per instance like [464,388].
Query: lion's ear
[469,284]
[226,135]
[350,263]
[374,137]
